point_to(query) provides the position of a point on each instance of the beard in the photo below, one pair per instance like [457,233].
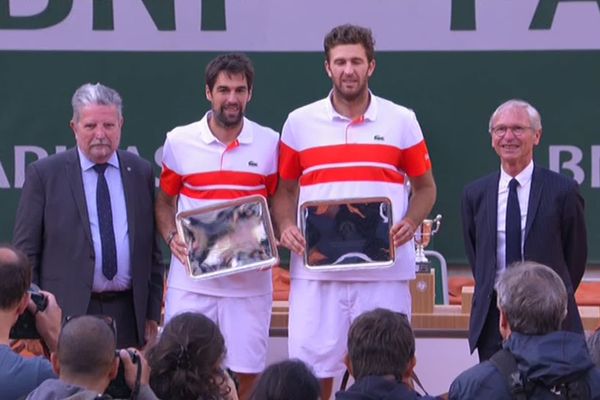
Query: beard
[350,95]
[226,119]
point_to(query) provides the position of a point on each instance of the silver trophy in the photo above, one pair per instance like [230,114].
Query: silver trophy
[347,234]
[228,237]
[425,231]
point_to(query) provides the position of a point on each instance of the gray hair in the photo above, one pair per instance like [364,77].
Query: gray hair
[95,94]
[593,343]
[534,116]
[533,297]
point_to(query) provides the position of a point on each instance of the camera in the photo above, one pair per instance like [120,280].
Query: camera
[118,388]
[25,326]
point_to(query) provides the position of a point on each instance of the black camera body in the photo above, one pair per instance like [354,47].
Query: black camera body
[118,388]
[25,326]
[133,355]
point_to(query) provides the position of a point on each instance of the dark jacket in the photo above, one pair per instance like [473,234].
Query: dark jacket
[379,388]
[52,227]
[55,389]
[555,235]
[547,359]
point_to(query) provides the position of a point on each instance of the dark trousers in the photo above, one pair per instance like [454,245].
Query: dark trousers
[119,306]
[490,340]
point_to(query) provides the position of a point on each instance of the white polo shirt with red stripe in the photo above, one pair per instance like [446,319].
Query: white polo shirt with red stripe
[204,171]
[334,157]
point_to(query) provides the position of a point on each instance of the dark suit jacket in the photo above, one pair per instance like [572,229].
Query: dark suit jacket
[52,227]
[555,235]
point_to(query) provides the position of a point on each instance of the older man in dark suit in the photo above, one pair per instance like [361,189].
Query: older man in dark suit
[85,219]
[523,212]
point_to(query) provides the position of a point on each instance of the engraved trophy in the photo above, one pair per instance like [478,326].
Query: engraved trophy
[425,231]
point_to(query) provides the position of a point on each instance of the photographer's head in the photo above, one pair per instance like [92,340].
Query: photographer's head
[381,342]
[86,353]
[287,380]
[18,375]
[186,361]
[526,309]
[15,299]
[15,278]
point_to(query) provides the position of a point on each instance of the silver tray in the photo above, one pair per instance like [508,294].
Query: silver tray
[347,234]
[228,238]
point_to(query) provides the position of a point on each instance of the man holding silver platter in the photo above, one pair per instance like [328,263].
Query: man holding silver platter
[222,157]
[358,148]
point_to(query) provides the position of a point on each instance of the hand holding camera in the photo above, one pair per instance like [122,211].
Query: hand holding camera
[25,328]
[47,320]
[41,320]
[132,360]
[133,373]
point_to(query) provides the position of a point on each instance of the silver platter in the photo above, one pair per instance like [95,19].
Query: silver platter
[228,238]
[347,234]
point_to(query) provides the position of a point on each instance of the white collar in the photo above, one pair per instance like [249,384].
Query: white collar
[523,177]
[369,115]
[86,163]
[246,135]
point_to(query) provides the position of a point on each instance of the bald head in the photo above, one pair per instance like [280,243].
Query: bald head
[86,347]
[8,255]
[15,276]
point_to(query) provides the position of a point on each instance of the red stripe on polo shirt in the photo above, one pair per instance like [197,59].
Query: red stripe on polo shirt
[170,181]
[271,183]
[353,173]
[416,159]
[221,178]
[289,162]
[220,194]
[224,178]
[350,153]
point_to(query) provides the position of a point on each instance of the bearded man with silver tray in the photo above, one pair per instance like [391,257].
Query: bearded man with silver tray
[212,213]
[345,164]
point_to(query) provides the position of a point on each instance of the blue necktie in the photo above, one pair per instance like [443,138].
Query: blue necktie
[513,224]
[105,223]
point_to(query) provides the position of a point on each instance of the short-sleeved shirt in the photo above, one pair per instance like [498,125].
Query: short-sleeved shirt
[19,375]
[333,157]
[203,171]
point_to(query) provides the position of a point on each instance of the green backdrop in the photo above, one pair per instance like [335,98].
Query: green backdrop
[453,94]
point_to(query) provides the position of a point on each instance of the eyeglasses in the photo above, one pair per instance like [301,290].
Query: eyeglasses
[517,130]
[112,324]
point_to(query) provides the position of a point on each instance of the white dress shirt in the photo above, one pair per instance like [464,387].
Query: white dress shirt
[122,280]
[524,178]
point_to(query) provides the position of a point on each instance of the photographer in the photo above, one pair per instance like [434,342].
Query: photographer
[381,357]
[86,362]
[19,375]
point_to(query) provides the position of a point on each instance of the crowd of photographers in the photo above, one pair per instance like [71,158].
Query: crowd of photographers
[83,361]
[82,356]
